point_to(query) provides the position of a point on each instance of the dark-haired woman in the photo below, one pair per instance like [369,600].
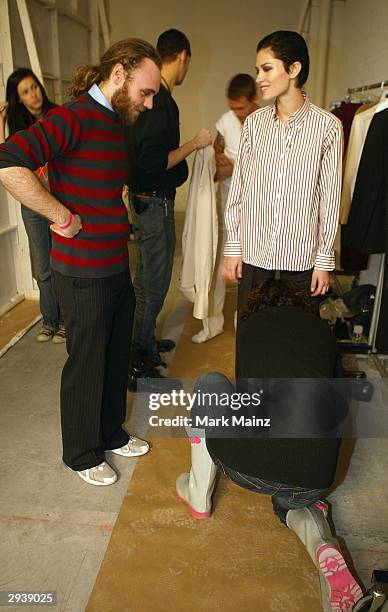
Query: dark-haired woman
[26,102]
[282,210]
[285,349]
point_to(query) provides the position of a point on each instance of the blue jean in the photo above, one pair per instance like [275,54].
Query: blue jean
[39,240]
[154,227]
[285,497]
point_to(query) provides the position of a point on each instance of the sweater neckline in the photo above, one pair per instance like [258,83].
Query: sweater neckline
[101,107]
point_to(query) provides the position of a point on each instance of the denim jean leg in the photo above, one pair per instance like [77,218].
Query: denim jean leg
[169,225]
[292,498]
[152,270]
[39,240]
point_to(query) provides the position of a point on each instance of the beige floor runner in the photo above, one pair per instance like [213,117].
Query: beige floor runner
[160,559]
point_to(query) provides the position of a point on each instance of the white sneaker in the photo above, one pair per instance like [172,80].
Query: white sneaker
[135,447]
[100,475]
[45,334]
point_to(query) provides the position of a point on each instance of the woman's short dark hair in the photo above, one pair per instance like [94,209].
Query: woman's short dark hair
[242,85]
[289,47]
[18,117]
[273,292]
[172,42]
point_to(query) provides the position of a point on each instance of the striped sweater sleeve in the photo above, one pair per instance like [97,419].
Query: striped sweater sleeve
[45,140]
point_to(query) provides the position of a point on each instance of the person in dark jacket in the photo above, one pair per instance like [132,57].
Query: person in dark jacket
[286,358]
[157,166]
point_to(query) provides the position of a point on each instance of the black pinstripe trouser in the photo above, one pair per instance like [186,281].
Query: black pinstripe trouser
[98,316]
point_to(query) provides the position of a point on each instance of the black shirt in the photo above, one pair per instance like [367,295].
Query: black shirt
[149,141]
[292,343]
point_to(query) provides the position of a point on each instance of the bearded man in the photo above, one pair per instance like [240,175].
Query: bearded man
[83,144]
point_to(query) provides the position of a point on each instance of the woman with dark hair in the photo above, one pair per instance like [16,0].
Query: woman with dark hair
[27,102]
[287,357]
[283,205]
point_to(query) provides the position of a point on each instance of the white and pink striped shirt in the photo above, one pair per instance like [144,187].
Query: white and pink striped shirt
[283,205]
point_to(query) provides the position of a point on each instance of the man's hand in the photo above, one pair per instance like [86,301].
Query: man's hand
[232,269]
[71,230]
[320,282]
[202,139]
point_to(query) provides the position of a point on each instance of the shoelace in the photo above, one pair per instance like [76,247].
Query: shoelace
[127,446]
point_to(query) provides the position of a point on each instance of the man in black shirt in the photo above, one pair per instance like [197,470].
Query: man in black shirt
[157,166]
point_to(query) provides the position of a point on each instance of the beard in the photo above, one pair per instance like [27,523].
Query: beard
[124,106]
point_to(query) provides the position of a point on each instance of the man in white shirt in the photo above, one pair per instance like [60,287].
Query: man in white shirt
[242,100]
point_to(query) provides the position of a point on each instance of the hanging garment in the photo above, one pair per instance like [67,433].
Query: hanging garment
[229,127]
[200,234]
[350,259]
[360,126]
[358,132]
[345,112]
[367,228]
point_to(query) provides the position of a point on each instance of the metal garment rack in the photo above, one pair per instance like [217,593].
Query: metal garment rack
[380,282]
[379,85]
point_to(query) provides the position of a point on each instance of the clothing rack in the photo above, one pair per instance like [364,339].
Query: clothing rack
[379,85]
[371,341]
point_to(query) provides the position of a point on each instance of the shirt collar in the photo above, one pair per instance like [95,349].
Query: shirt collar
[99,97]
[299,116]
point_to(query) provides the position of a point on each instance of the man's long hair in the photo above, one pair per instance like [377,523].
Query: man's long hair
[130,53]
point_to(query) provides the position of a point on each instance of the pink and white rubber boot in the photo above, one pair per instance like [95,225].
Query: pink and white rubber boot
[339,589]
[195,488]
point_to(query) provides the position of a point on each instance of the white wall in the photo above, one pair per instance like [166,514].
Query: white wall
[74,21]
[359,45]
[223,36]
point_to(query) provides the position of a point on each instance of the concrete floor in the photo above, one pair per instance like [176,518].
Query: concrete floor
[55,528]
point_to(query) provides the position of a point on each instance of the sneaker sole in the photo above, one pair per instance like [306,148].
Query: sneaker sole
[194,513]
[344,590]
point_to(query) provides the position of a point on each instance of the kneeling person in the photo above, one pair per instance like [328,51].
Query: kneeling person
[280,339]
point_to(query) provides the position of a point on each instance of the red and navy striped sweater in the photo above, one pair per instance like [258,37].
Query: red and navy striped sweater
[82,142]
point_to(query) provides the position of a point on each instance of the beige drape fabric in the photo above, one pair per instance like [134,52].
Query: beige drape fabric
[200,234]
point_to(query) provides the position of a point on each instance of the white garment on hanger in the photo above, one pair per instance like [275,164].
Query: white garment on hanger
[200,234]
[358,132]
[229,127]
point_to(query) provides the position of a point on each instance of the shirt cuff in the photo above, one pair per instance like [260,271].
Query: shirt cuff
[325,261]
[232,249]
